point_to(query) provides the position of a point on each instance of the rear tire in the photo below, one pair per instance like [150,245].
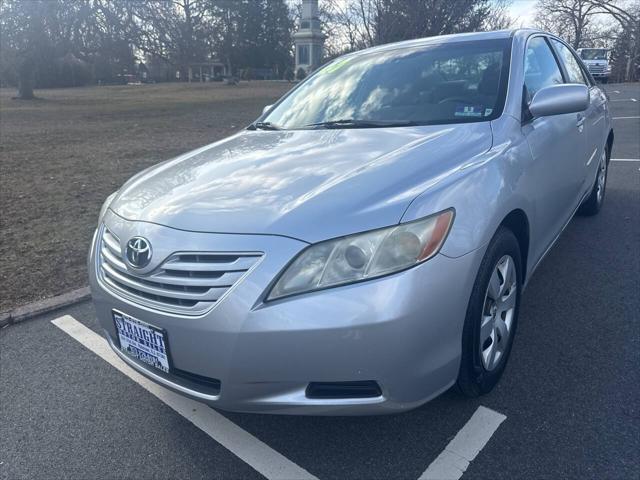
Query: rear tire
[492,316]
[593,203]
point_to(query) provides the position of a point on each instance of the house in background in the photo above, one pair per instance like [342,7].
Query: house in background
[206,71]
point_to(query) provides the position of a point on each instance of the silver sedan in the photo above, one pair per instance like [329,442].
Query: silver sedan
[363,246]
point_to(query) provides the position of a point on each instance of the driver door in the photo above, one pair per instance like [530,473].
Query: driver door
[557,145]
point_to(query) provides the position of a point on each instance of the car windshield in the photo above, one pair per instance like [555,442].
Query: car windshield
[447,83]
[593,54]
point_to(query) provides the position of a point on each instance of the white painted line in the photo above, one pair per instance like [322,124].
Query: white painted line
[616,91]
[625,160]
[624,118]
[456,457]
[624,100]
[241,443]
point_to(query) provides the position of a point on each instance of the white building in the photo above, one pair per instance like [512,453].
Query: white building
[309,39]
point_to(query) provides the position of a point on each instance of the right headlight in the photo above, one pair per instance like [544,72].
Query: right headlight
[364,256]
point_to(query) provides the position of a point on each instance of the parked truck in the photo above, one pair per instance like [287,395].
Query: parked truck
[597,61]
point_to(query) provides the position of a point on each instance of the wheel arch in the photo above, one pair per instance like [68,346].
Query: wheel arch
[518,223]
[610,143]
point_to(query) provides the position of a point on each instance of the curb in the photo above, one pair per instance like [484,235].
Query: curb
[39,307]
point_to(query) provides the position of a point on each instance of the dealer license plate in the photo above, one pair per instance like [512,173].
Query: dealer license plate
[142,341]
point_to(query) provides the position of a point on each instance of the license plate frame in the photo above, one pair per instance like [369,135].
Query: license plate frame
[151,349]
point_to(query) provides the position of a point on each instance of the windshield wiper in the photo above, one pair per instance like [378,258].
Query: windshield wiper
[263,126]
[353,123]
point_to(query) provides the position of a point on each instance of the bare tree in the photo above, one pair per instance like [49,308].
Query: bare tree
[178,31]
[627,46]
[255,34]
[24,30]
[574,20]
[350,25]
[569,19]
[498,17]
[364,23]
[53,43]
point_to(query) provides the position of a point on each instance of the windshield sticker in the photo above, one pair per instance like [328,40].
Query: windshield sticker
[470,111]
[335,66]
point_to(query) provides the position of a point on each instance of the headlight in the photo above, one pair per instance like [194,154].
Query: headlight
[105,205]
[364,256]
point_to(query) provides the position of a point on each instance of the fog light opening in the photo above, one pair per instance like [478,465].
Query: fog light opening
[340,390]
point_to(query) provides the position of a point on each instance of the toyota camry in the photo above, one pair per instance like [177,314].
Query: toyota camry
[363,246]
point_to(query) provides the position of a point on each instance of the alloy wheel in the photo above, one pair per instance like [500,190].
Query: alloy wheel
[602,177]
[497,312]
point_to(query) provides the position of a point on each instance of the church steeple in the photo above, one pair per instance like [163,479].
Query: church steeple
[309,39]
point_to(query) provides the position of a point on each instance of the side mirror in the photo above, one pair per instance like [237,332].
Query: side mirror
[266,109]
[559,99]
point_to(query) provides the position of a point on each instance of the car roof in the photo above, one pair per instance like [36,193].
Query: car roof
[452,38]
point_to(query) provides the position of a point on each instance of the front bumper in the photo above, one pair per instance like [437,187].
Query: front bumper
[402,331]
[600,74]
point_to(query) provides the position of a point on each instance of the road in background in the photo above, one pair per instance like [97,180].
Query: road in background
[570,392]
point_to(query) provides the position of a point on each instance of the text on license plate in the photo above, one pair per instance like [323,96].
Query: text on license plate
[142,341]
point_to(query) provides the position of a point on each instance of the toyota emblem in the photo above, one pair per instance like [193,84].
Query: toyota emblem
[138,252]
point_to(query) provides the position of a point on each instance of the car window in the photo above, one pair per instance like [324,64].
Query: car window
[540,67]
[429,84]
[570,62]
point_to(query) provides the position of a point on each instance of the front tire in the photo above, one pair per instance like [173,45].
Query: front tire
[492,316]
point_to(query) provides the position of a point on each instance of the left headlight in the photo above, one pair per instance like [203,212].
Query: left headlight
[105,205]
[364,256]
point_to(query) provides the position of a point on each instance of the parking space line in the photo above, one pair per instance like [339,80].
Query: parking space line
[624,118]
[456,457]
[241,443]
[625,160]
[624,100]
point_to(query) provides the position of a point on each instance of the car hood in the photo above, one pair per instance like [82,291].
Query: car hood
[307,184]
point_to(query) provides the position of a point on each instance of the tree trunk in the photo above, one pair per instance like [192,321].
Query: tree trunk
[578,38]
[631,71]
[26,80]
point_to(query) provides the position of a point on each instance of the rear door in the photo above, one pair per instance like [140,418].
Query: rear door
[593,118]
[557,145]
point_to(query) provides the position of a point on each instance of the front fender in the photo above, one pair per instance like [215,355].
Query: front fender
[483,191]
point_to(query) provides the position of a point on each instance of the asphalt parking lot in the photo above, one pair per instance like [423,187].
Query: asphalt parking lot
[570,393]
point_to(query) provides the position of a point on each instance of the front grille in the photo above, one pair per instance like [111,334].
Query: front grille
[187,283]
[596,68]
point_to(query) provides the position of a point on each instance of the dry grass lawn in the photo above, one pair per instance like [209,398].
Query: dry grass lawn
[61,155]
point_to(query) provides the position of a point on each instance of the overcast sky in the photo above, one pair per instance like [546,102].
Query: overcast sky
[523,12]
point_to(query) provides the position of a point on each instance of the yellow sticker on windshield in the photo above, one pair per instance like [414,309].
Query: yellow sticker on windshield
[337,65]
